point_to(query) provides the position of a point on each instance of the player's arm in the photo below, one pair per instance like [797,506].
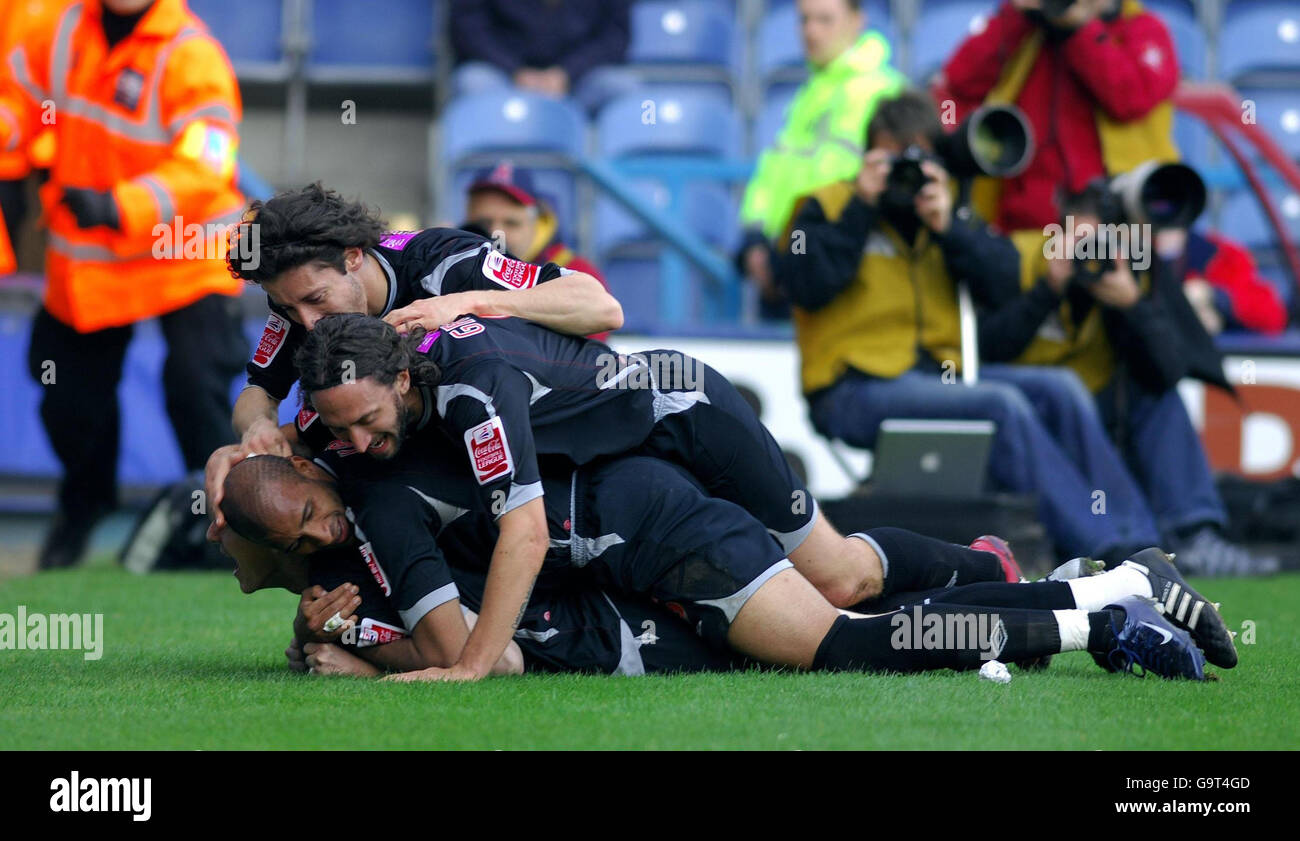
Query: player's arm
[575,303]
[477,280]
[516,561]
[437,641]
[256,419]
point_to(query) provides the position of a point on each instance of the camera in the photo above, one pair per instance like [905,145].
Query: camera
[995,141]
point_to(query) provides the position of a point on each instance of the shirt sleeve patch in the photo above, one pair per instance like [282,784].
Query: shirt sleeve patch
[489,452]
[397,240]
[509,272]
[373,632]
[277,330]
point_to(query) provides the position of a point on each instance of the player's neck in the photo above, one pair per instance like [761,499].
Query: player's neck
[414,402]
[374,282]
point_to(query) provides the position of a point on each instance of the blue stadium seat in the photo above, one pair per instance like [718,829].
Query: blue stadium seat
[1277,111]
[669,120]
[682,32]
[771,117]
[1242,219]
[634,281]
[392,44]
[1194,140]
[1259,35]
[941,27]
[708,210]
[1189,38]
[252,35]
[511,121]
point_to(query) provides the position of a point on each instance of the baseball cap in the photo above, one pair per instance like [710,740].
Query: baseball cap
[505,177]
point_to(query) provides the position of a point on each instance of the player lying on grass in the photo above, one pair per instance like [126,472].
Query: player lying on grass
[319,255]
[508,391]
[315,253]
[723,573]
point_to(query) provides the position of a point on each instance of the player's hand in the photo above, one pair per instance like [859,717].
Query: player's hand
[327,659]
[1059,272]
[1117,288]
[264,437]
[456,674]
[297,660]
[214,481]
[934,201]
[870,182]
[432,313]
[318,609]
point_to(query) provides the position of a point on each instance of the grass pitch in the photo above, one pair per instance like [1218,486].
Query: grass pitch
[190,663]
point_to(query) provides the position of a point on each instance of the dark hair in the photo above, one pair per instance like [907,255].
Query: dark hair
[371,345]
[1095,199]
[908,117]
[296,227]
[248,490]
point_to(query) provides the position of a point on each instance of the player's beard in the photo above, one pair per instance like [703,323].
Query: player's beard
[398,435]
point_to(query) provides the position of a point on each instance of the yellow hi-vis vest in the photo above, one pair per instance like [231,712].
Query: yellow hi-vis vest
[901,300]
[1124,145]
[1085,348]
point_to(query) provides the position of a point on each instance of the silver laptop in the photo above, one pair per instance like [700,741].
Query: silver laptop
[940,458]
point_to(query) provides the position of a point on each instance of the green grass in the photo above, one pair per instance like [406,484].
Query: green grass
[190,663]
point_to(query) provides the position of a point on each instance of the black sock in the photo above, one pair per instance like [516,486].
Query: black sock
[1101,632]
[1036,595]
[966,638]
[916,562]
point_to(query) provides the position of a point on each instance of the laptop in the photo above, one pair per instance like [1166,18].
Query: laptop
[933,458]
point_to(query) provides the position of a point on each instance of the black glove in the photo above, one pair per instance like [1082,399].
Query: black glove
[92,207]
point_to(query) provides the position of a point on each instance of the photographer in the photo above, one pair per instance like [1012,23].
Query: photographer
[1094,78]
[1130,335]
[871,266]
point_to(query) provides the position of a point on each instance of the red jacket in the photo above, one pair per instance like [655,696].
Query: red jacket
[1245,299]
[1125,66]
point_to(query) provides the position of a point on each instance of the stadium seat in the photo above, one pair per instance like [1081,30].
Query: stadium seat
[669,120]
[1277,111]
[682,32]
[1189,38]
[511,121]
[252,35]
[357,42]
[708,210]
[1243,220]
[1194,140]
[1259,35]
[634,281]
[940,28]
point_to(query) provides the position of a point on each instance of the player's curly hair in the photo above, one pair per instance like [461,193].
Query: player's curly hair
[351,346]
[296,227]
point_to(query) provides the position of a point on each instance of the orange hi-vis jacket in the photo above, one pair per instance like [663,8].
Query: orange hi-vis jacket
[155,121]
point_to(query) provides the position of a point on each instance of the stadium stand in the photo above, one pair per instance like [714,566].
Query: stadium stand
[356,42]
[255,36]
[1259,35]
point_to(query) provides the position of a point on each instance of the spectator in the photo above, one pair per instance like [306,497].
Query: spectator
[1222,282]
[1130,336]
[821,140]
[147,109]
[504,205]
[555,47]
[876,319]
[1095,85]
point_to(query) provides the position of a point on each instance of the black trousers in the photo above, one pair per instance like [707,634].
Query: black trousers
[79,374]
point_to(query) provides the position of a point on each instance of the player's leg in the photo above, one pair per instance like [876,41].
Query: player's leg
[713,565]
[712,432]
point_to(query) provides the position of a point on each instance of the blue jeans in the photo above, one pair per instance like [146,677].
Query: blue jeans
[596,87]
[1165,454]
[1049,441]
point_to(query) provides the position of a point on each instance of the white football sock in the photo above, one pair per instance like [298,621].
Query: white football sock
[1097,591]
[1074,628]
